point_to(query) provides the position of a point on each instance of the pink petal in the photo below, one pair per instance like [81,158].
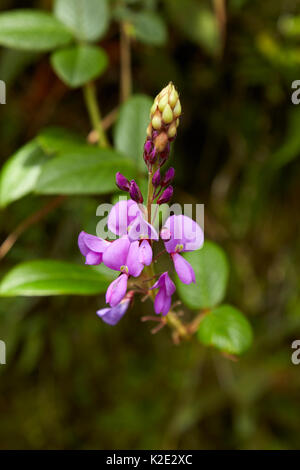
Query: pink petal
[145,253]
[81,243]
[93,258]
[184,231]
[140,229]
[116,254]
[113,315]
[95,243]
[121,216]
[184,269]
[162,302]
[135,267]
[116,290]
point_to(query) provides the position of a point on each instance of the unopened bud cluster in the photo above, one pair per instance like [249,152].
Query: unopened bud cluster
[164,120]
[164,115]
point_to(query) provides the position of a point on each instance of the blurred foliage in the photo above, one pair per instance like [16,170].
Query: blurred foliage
[73,382]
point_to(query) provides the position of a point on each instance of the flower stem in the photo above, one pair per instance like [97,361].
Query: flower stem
[89,92]
[125,54]
[177,325]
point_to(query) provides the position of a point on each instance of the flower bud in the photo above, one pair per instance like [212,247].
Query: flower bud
[135,192]
[166,107]
[169,176]
[122,182]
[164,120]
[165,196]
[156,179]
[164,155]
[150,154]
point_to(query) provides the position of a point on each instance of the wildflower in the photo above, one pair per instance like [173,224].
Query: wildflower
[163,298]
[140,229]
[122,255]
[185,235]
[121,216]
[92,248]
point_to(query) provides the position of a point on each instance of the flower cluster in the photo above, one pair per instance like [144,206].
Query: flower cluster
[131,254]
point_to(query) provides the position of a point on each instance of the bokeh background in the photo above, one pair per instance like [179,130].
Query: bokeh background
[72,382]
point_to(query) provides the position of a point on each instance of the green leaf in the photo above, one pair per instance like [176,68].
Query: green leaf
[32,30]
[50,277]
[19,174]
[85,171]
[289,25]
[197,22]
[77,65]
[227,329]
[150,28]
[88,20]
[130,129]
[57,139]
[211,270]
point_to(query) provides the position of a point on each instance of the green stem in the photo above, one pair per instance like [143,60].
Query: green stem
[89,92]
[176,324]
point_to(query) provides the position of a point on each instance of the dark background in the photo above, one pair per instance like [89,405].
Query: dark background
[73,382]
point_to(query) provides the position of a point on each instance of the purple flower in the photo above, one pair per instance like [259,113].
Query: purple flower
[92,248]
[185,235]
[135,192]
[163,298]
[121,216]
[140,230]
[122,182]
[123,256]
[113,315]
[165,196]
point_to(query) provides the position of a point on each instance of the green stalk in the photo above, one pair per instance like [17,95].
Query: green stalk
[90,97]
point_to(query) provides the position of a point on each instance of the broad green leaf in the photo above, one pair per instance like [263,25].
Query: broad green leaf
[88,19]
[19,174]
[57,139]
[226,329]
[197,22]
[289,25]
[211,270]
[51,277]
[77,65]
[130,129]
[32,30]
[150,28]
[85,171]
